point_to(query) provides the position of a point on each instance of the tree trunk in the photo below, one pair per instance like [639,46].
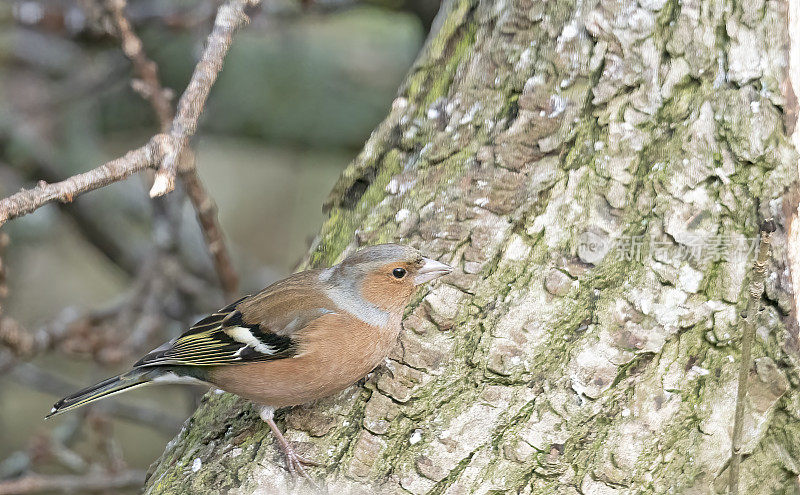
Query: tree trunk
[597,171]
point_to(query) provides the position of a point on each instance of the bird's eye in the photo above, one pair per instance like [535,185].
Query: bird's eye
[399,272]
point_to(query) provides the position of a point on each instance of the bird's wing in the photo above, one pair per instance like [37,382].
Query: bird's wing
[255,328]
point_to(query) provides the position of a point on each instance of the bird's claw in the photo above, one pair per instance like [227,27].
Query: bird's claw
[296,465]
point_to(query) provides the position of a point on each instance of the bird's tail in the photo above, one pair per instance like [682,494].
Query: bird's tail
[106,388]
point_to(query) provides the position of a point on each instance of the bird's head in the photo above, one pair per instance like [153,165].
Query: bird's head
[387,274]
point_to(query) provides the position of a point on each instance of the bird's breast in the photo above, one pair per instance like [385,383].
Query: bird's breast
[335,351]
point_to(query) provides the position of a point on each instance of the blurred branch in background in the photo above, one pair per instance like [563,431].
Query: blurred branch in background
[128,326]
[163,151]
[72,483]
[14,471]
[54,445]
[149,86]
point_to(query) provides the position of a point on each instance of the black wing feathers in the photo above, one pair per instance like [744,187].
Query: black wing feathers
[219,339]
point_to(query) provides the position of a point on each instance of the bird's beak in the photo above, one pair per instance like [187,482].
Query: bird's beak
[431,269]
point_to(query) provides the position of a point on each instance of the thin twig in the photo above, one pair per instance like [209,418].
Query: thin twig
[148,303]
[149,85]
[230,17]
[60,438]
[28,200]
[162,151]
[748,335]
[151,89]
[35,158]
[206,211]
[91,482]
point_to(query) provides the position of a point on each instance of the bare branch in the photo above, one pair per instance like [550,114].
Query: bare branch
[149,85]
[36,158]
[202,202]
[91,482]
[162,150]
[28,200]
[57,443]
[206,211]
[230,17]
[26,344]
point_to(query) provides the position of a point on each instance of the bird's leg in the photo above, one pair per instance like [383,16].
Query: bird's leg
[294,461]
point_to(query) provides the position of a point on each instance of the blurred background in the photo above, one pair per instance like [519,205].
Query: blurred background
[96,283]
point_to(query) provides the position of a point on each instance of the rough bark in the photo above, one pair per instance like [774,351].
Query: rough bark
[529,138]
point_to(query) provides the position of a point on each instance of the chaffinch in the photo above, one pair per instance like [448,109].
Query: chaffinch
[300,339]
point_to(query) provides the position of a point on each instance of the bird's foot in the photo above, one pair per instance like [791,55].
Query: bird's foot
[296,463]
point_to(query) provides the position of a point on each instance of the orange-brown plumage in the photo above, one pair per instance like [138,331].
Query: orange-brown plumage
[383,290]
[336,351]
[300,339]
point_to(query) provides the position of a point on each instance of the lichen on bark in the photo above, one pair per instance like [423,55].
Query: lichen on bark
[595,170]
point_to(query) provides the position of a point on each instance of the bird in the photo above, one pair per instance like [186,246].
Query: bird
[300,339]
